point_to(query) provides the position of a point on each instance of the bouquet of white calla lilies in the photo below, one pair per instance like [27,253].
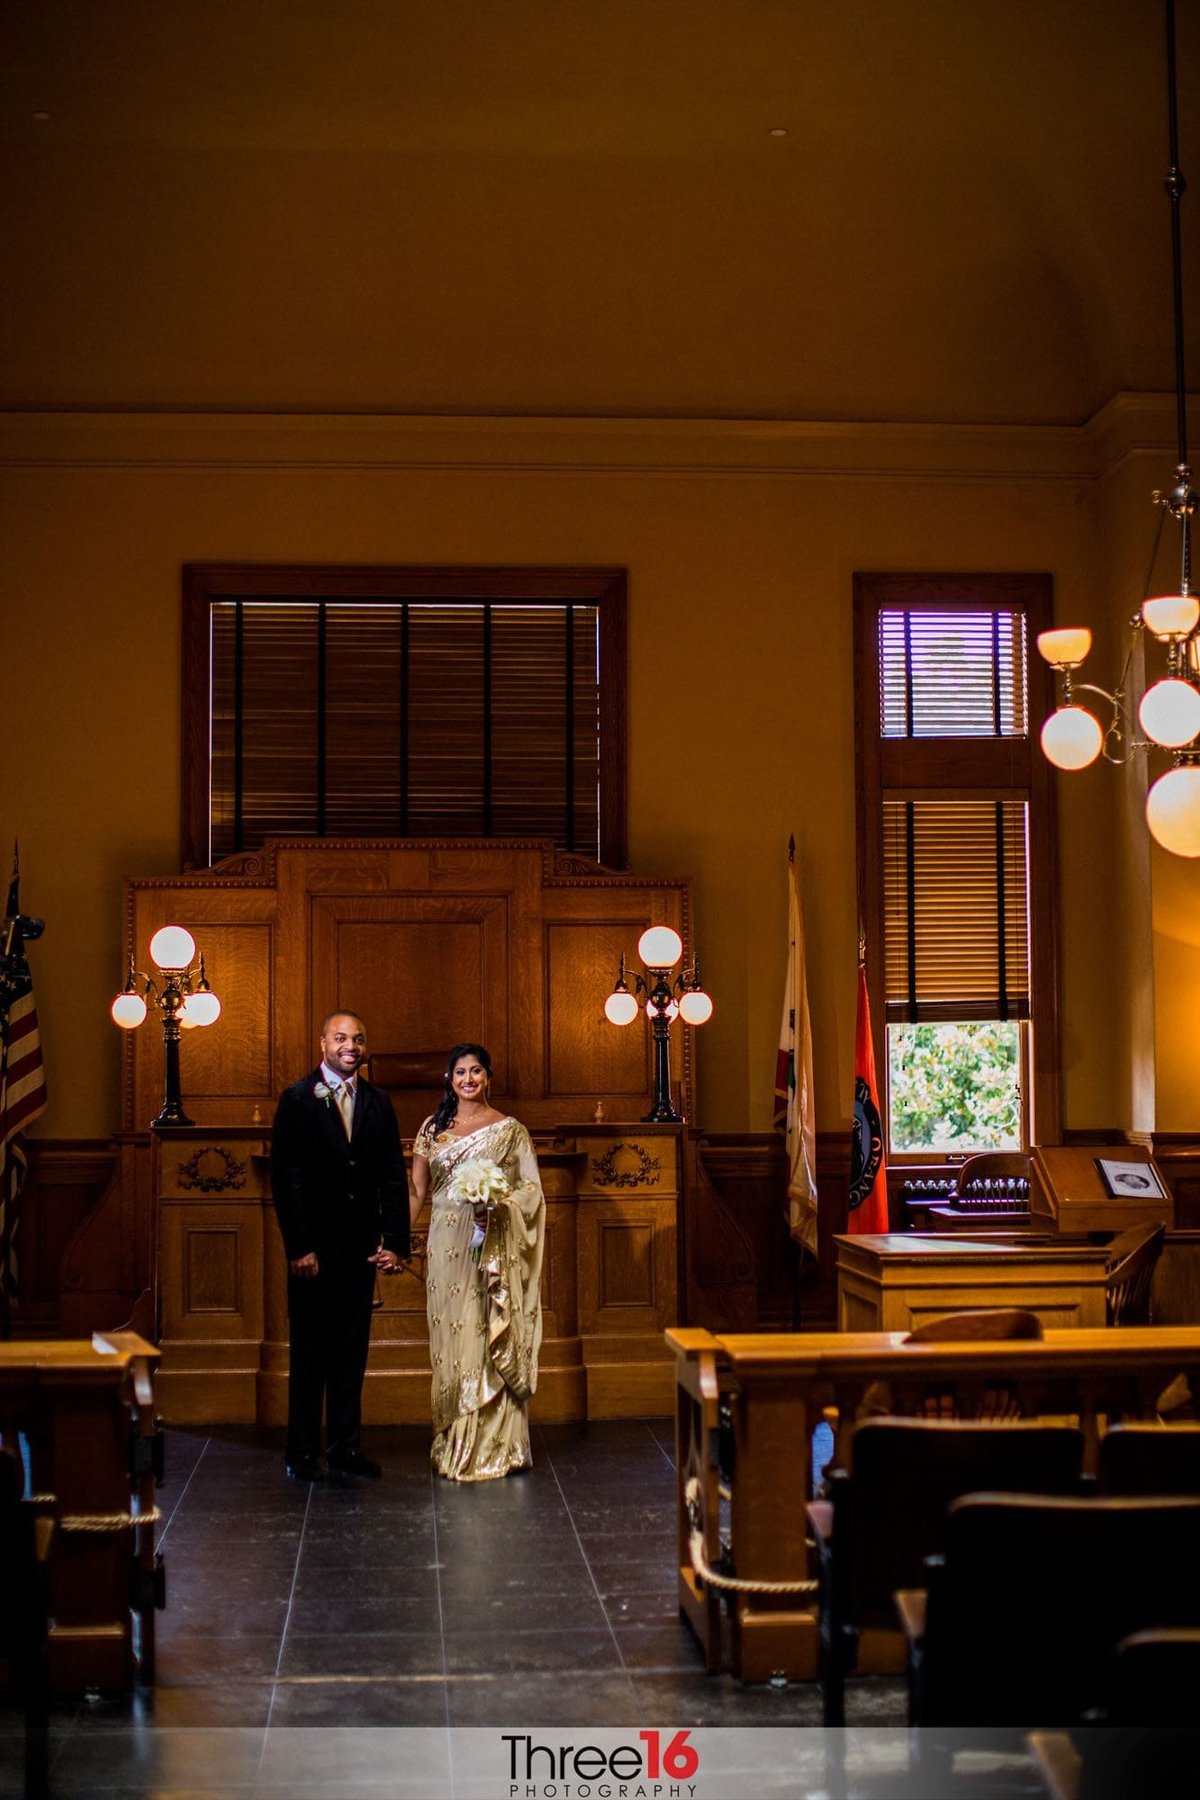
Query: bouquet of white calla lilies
[478,1184]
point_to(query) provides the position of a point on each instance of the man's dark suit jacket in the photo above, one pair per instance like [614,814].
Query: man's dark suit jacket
[335,1195]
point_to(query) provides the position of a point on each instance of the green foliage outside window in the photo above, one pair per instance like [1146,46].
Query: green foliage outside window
[955,1087]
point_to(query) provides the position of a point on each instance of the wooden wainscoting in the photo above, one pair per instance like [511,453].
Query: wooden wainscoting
[66,1179]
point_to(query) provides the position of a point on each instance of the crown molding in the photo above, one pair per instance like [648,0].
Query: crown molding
[1128,424]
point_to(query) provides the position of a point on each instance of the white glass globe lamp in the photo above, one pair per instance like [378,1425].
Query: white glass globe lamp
[1066,647]
[128,1011]
[202,1008]
[172,947]
[1171,615]
[695,1007]
[660,947]
[1170,712]
[1071,738]
[1173,810]
[621,1008]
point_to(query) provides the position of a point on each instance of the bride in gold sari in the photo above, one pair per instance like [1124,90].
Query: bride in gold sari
[483,1271]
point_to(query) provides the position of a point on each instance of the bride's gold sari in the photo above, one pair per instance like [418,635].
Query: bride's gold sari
[485,1316]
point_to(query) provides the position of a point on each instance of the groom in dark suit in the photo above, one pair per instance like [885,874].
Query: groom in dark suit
[341,1196]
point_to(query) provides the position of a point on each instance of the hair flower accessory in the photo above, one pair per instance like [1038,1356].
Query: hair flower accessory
[479,1184]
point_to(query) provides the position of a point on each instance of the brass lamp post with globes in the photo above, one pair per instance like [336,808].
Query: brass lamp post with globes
[667,998]
[184,999]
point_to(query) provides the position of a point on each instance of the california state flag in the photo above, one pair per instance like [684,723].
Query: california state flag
[868,1167]
[794,1110]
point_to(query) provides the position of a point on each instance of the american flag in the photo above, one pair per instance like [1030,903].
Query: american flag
[22,1074]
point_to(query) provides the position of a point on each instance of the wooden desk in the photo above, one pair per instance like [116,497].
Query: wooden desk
[86,1407]
[895,1282]
[747,1407]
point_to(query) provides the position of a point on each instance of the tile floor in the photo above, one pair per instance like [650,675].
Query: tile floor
[545,1599]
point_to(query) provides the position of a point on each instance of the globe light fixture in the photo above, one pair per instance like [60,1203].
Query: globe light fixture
[1173,810]
[184,1000]
[668,998]
[1072,738]
[1169,711]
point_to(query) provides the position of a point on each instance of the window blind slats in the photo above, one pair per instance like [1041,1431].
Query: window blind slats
[424,770]
[952,674]
[956,909]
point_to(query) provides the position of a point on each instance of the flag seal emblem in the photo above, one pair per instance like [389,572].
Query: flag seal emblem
[866,1150]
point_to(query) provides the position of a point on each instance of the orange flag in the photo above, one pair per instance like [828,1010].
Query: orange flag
[868,1166]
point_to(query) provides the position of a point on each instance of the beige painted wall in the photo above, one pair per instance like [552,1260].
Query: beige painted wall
[741,724]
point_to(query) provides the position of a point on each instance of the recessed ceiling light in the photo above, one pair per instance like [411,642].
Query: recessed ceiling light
[41,115]
[777,131]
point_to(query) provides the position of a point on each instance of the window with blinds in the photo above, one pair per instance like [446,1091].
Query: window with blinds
[342,701]
[957,882]
[952,674]
[406,717]
[956,909]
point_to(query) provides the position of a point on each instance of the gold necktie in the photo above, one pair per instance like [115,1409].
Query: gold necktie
[345,1100]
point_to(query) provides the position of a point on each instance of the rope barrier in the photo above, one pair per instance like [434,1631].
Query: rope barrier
[729,1582]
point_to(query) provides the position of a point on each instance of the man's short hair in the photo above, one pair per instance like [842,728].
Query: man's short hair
[342,1012]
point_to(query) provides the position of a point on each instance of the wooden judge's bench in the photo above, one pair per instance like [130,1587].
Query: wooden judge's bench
[505,943]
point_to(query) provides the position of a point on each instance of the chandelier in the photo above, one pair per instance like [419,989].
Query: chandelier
[1169,710]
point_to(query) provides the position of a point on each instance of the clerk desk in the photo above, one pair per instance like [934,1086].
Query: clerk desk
[898,1281]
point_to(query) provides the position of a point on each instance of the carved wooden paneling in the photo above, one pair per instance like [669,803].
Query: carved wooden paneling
[426,972]
[585,1054]
[211,1269]
[626,1264]
[65,1182]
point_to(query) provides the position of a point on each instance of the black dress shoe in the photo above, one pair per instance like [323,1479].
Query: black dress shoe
[353,1462]
[304,1468]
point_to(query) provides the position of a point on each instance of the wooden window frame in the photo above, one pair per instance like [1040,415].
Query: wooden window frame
[956,768]
[205,583]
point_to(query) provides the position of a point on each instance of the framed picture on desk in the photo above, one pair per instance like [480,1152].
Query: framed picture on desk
[1130,1180]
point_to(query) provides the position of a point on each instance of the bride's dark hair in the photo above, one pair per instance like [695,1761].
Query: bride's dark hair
[448,1110]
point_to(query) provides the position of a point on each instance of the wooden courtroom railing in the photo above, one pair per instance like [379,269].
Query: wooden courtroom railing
[747,1407]
[86,1409]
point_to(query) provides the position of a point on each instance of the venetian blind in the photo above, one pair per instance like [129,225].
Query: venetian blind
[956,909]
[404,717]
[949,673]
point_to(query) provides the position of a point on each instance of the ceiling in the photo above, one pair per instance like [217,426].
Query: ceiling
[577,207]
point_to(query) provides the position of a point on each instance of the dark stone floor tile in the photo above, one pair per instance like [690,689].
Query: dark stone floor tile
[876,1700]
[562,1653]
[355,1704]
[332,1585]
[681,1698]
[665,1645]
[657,1605]
[216,1615]
[525,1609]
[382,1654]
[216,1759]
[635,1523]
[469,1577]
[221,1704]
[516,1702]
[367,1756]
[185,1659]
[360,1611]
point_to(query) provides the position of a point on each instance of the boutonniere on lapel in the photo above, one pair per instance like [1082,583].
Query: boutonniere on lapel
[321,1092]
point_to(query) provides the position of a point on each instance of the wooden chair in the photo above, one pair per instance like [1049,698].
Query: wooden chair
[1152,1746]
[886,1513]
[987,1325]
[1022,1612]
[1131,1260]
[1150,1459]
[25,1540]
